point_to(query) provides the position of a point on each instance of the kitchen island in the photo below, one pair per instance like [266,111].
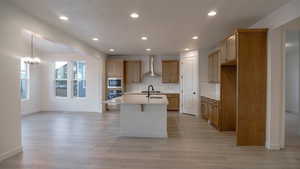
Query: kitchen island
[142,116]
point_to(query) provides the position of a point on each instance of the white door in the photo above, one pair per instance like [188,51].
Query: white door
[189,88]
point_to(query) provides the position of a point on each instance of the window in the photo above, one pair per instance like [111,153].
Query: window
[79,79]
[24,82]
[61,79]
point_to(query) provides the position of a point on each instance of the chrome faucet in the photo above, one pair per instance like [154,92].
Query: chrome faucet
[150,86]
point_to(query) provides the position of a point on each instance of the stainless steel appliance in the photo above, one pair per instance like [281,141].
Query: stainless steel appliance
[114,83]
[113,93]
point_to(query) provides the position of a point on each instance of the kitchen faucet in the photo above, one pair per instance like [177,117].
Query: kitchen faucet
[149,90]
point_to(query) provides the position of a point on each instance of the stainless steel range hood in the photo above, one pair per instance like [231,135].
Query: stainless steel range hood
[151,67]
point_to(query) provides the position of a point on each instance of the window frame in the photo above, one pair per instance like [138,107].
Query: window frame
[73,79]
[67,79]
[27,80]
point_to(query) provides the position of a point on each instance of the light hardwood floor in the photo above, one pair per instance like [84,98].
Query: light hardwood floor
[56,140]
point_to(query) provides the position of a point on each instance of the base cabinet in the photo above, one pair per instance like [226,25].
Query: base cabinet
[173,100]
[204,108]
[210,111]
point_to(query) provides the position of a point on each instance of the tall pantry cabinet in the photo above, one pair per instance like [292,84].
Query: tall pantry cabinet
[244,84]
[241,70]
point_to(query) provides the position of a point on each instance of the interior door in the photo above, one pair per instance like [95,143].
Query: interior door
[188,92]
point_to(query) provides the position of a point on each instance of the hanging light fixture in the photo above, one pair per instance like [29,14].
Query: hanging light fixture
[31,59]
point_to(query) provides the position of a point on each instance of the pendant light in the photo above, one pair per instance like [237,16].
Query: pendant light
[31,59]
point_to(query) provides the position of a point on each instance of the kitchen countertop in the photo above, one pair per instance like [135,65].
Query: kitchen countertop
[140,93]
[211,96]
[140,99]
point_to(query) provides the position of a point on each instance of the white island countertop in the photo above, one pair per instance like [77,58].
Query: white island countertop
[142,99]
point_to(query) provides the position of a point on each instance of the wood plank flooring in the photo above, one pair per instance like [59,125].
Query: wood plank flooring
[56,140]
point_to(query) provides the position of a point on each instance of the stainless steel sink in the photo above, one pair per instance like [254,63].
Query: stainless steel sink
[155,97]
[151,92]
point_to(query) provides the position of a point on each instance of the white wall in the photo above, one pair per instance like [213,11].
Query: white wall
[12,47]
[155,81]
[33,104]
[275,138]
[292,72]
[91,103]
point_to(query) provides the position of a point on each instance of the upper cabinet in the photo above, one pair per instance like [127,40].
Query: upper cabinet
[214,67]
[133,71]
[228,50]
[114,68]
[170,71]
[231,48]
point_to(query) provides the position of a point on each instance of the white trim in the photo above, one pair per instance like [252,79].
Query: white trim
[10,153]
[283,111]
[273,147]
[269,95]
[24,114]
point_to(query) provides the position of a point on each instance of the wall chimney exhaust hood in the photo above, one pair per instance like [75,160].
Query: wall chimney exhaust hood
[151,67]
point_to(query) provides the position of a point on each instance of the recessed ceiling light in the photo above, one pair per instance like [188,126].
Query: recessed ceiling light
[186,49]
[111,50]
[212,13]
[195,37]
[148,49]
[64,18]
[134,15]
[144,38]
[95,39]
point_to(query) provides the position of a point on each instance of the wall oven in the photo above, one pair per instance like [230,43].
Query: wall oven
[113,93]
[114,83]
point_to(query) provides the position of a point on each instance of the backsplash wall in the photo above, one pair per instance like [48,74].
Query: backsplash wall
[147,80]
[210,90]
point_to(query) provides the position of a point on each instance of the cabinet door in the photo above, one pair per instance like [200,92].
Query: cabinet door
[170,71]
[214,67]
[114,68]
[216,61]
[223,52]
[215,114]
[173,100]
[204,107]
[210,68]
[209,111]
[133,72]
[231,48]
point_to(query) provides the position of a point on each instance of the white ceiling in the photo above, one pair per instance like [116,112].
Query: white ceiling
[169,24]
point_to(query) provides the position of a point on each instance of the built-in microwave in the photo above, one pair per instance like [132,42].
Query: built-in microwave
[114,83]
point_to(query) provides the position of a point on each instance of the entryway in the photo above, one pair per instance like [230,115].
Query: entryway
[292,85]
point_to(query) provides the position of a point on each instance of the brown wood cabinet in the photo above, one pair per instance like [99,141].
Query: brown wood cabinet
[251,86]
[114,68]
[228,97]
[173,100]
[228,49]
[243,85]
[170,71]
[214,67]
[210,111]
[204,108]
[133,71]
[231,48]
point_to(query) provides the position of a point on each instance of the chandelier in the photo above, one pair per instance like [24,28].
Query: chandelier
[31,59]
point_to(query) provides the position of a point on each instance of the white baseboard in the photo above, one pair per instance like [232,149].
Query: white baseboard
[28,114]
[10,153]
[273,147]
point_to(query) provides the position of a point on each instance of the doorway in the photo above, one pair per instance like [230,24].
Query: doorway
[292,85]
[190,94]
